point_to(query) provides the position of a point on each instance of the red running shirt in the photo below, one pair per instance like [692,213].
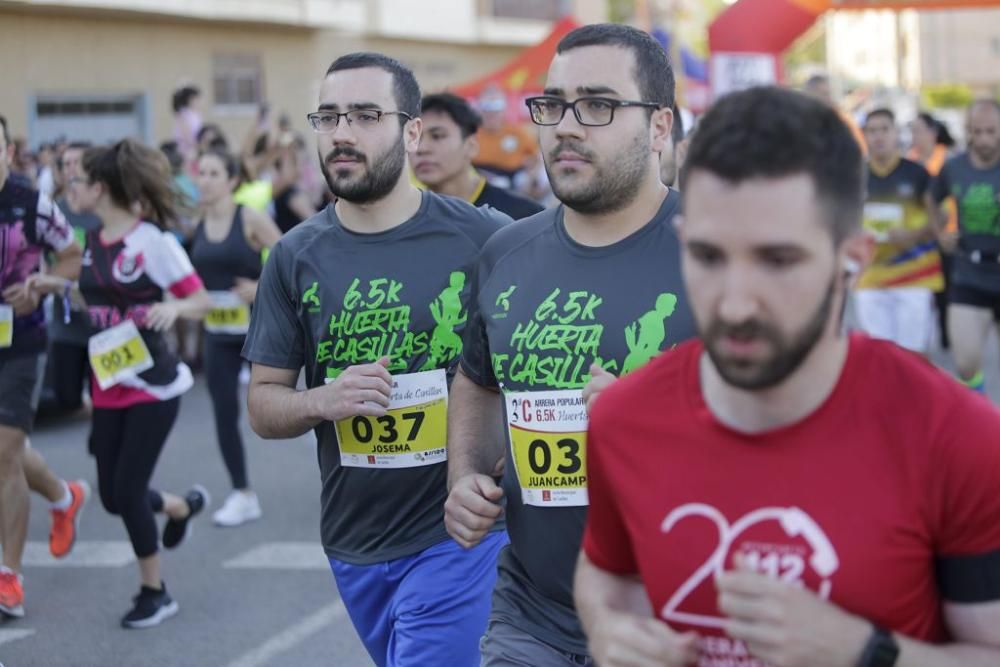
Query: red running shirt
[884,500]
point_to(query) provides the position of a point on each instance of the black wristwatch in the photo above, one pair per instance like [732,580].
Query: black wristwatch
[880,651]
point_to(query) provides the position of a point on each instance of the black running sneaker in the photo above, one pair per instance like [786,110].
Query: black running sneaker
[177,529]
[150,607]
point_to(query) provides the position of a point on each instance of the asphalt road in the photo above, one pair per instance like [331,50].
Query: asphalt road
[260,594]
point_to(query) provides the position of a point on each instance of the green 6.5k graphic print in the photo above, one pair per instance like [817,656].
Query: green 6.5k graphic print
[448,312]
[980,210]
[645,336]
[374,322]
[557,346]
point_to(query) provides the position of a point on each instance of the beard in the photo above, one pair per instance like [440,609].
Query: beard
[377,180]
[986,154]
[787,352]
[608,189]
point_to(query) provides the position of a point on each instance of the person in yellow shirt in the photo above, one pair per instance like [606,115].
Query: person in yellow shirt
[894,295]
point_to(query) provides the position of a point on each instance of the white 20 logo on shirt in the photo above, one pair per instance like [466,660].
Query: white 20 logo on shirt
[782,562]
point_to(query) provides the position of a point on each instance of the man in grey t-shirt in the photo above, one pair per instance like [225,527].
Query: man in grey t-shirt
[371,296]
[973,180]
[592,284]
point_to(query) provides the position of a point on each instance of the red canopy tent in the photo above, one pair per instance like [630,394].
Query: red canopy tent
[525,74]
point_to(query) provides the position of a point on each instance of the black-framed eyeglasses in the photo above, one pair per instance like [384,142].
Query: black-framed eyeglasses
[592,111]
[364,119]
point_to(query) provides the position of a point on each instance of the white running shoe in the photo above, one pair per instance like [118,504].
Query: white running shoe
[238,509]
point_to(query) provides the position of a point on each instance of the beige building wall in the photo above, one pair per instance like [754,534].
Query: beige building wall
[71,54]
[962,46]
[89,56]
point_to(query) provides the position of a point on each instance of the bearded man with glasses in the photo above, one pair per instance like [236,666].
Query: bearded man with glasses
[371,296]
[579,293]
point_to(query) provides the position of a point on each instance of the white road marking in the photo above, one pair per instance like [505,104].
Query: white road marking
[89,553]
[14,635]
[281,556]
[291,636]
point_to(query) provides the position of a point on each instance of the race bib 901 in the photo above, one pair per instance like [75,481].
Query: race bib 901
[412,433]
[548,440]
[117,354]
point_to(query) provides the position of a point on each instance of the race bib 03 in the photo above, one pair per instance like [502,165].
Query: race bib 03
[548,440]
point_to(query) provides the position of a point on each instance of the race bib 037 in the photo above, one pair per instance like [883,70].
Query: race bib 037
[413,433]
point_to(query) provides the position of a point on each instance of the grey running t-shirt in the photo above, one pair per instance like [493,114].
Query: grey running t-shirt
[977,194]
[546,308]
[330,298]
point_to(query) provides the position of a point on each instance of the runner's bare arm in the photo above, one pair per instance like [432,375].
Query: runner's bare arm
[261,231]
[67,262]
[194,306]
[279,410]
[975,629]
[475,429]
[937,218]
[24,297]
[475,453]
[276,408]
[619,622]
[600,380]
[61,273]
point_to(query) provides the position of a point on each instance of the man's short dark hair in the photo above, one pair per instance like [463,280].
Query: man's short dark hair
[6,132]
[183,97]
[457,108]
[817,80]
[770,132]
[405,88]
[881,111]
[652,71]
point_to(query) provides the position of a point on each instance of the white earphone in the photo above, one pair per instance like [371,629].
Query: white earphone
[851,267]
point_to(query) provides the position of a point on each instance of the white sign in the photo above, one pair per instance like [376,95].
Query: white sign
[737,71]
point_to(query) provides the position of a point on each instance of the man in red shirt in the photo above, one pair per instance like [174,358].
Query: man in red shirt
[779,492]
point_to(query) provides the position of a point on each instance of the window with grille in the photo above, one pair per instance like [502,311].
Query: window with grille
[543,10]
[237,79]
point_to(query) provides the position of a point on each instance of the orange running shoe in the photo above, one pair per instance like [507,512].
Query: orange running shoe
[11,593]
[65,522]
